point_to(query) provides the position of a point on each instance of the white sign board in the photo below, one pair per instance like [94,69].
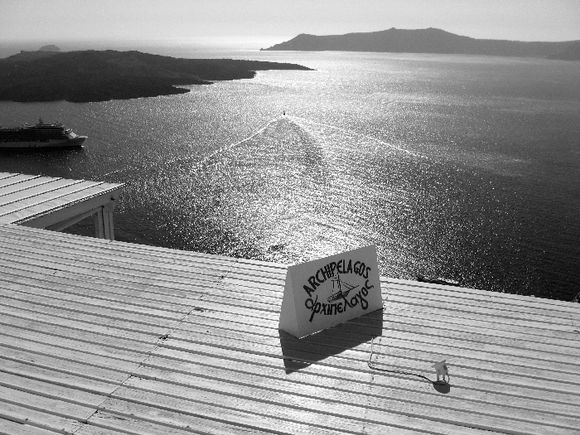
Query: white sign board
[323,293]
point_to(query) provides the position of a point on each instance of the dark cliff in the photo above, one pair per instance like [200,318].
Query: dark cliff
[82,76]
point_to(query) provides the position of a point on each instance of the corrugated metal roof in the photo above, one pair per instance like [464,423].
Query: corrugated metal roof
[24,198]
[109,337]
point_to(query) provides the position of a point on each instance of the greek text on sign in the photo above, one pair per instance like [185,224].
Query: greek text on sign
[323,293]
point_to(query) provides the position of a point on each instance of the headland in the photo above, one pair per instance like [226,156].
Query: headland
[89,76]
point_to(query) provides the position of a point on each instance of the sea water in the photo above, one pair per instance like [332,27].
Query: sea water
[456,167]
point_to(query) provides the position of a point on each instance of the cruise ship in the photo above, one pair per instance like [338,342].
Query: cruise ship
[41,135]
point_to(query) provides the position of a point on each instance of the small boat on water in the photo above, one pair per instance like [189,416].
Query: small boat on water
[41,135]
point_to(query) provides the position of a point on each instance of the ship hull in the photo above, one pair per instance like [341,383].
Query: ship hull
[52,143]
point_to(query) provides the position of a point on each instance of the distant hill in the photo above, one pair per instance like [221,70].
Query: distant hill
[82,76]
[50,47]
[571,52]
[429,41]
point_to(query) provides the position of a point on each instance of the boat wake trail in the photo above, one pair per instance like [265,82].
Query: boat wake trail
[224,148]
[348,139]
[179,160]
[301,121]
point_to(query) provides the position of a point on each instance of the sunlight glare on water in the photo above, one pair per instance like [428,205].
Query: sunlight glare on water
[460,167]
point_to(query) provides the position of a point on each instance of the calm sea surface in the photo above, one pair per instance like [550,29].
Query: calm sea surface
[464,168]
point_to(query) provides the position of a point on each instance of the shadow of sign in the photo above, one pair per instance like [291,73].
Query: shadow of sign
[300,353]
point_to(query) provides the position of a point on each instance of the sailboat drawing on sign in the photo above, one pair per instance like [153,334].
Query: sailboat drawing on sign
[340,289]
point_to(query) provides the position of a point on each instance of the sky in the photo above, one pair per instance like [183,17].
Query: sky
[266,22]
